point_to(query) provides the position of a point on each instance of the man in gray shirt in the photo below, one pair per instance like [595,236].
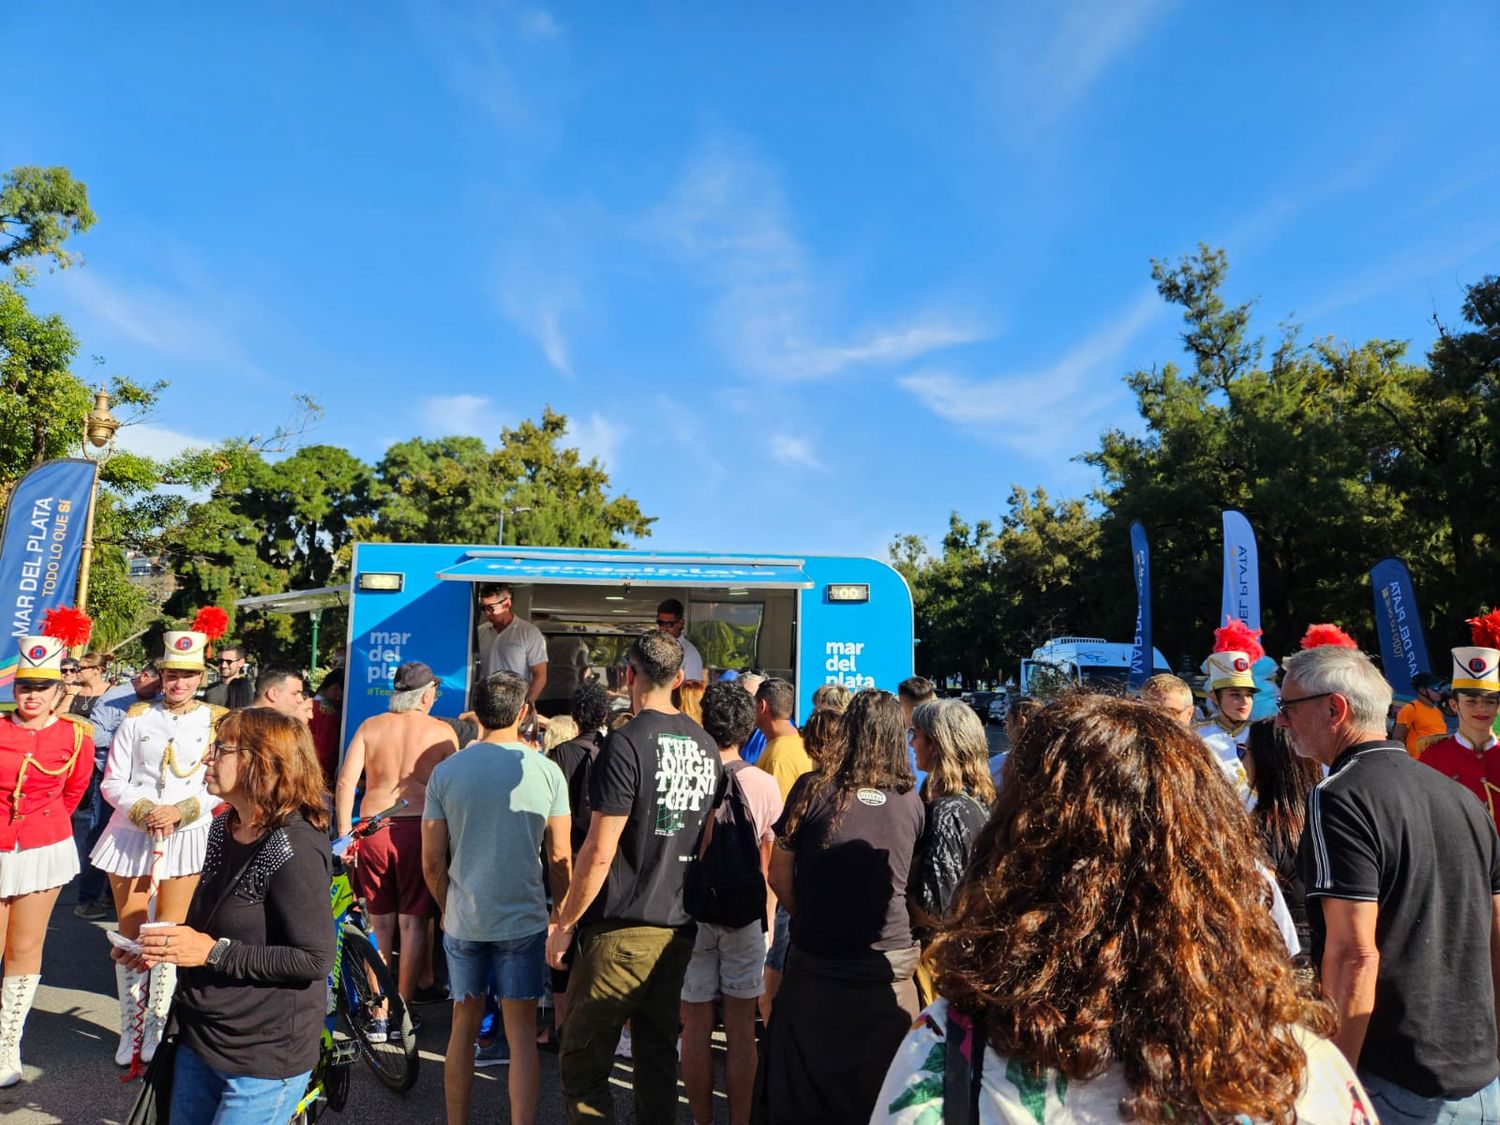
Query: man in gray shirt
[489,808]
[508,643]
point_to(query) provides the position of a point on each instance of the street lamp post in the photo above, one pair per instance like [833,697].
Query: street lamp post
[99,427]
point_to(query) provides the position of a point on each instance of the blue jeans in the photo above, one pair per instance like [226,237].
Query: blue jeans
[513,970]
[1396,1105]
[93,885]
[202,1095]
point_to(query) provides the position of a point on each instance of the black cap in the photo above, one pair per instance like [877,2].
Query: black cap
[1426,679]
[411,676]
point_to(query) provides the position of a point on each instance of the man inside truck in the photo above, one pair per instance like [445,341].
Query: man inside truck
[509,644]
[672,619]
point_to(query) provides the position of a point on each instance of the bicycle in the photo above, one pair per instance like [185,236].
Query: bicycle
[359,987]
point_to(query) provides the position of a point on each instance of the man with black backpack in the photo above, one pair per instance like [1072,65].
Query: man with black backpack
[729,896]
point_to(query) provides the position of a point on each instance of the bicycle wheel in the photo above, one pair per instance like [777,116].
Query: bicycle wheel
[366,992]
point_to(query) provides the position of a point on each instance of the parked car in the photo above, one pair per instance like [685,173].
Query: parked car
[980,701]
[999,708]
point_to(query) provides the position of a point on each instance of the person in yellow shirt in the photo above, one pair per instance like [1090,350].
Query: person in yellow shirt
[1423,721]
[785,757]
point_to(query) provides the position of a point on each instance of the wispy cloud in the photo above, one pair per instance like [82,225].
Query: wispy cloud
[1411,265]
[158,318]
[595,436]
[1051,413]
[159,442]
[1048,69]
[729,221]
[459,415]
[539,314]
[794,452]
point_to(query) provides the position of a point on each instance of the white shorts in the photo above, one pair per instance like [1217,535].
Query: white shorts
[124,849]
[726,962]
[27,870]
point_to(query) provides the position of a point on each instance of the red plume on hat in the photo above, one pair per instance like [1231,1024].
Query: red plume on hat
[1486,629]
[1319,636]
[211,622]
[1235,636]
[69,625]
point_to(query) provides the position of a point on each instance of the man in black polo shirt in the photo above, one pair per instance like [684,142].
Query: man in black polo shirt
[1402,869]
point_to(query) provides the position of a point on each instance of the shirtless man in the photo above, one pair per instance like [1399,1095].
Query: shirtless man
[396,752]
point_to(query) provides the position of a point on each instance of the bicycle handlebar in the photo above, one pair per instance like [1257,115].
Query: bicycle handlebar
[365,825]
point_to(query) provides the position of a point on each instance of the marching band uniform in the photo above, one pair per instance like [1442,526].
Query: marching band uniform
[1226,740]
[1476,768]
[43,775]
[157,758]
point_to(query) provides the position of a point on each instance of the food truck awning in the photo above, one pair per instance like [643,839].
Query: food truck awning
[574,569]
[298,601]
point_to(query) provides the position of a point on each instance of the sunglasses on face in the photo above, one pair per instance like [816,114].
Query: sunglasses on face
[667,623]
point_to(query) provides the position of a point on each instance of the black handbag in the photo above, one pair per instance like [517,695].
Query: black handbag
[153,1106]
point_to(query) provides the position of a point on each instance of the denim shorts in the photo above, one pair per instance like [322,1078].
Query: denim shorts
[515,969]
[1397,1105]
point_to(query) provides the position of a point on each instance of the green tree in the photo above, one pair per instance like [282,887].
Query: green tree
[39,209]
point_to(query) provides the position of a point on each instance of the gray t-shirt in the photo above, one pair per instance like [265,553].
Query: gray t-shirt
[513,649]
[496,799]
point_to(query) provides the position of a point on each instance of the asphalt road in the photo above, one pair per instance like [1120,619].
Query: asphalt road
[71,1035]
[70,1039]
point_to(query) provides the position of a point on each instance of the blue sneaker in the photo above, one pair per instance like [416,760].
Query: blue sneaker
[377,1031]
[496,1054]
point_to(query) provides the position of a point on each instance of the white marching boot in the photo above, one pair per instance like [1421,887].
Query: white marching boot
[16,995]
[158,1004]
[130,985]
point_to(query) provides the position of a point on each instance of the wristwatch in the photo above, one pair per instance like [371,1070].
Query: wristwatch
[216,954]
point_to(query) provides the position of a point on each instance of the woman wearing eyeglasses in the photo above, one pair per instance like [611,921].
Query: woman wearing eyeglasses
[258,942]
[45,766]
[158,834]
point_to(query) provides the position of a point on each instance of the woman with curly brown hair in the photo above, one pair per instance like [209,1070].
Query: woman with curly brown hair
[1112,950]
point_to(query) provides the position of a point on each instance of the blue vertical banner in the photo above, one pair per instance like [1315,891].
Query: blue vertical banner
[1140,563]
[1403,649]
[1241,599]
[40,548]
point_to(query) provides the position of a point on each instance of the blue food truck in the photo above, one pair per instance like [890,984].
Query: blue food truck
[812,620]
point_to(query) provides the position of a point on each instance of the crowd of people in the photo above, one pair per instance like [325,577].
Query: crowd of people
[1138,912]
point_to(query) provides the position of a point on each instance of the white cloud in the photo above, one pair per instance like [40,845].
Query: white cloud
[1410,265]
[538,23]
[1048,70]
[538,314]
[595,436]
[460,415]
[148,440]
[794,452]
[1050,413]
[728,220]
[157,318]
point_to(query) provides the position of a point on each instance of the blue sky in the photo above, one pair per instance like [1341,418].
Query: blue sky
[803,276]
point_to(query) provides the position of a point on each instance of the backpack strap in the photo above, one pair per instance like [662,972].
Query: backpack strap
[961,1080]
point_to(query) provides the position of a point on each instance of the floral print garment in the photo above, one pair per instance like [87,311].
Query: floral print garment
[1010,1094]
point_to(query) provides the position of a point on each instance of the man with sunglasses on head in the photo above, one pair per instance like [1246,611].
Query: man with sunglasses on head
[508,643]
[671,620]
[231,665]
[1402,870]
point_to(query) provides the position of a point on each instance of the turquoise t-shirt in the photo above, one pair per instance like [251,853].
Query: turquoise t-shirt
[496,799]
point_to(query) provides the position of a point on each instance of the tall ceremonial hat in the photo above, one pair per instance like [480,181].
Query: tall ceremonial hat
[1236,649]
[42,655]
[1477,667]
[183,649]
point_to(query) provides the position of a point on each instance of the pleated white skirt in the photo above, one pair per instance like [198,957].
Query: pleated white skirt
[37,869]
[124,849]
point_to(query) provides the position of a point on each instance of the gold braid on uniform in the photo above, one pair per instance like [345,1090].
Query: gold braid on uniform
[188,807]
[80,729]
[140,811]
[169,756]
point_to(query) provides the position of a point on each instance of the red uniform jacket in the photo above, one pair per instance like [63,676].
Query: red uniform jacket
[1477,772]
[43,776]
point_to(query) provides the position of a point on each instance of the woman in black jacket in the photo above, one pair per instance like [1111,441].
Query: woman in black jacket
[258,941]
[948,740]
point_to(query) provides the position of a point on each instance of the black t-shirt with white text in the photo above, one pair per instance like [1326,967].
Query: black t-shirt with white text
[1384,828]
[663,772]
[850,883]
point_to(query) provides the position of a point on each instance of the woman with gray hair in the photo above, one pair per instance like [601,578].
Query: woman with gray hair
[950,745]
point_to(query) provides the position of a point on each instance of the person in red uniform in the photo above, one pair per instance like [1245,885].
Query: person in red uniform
[46,762]
[1470,757]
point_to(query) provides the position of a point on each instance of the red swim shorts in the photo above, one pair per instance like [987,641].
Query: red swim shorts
[388,874]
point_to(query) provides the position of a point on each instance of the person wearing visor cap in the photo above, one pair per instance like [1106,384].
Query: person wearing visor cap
[46,762]
[1423,721]
[1470,756]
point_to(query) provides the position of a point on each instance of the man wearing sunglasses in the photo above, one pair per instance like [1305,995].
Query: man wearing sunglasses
[1402,870]
[231,664]
[671,619]
[508,643]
